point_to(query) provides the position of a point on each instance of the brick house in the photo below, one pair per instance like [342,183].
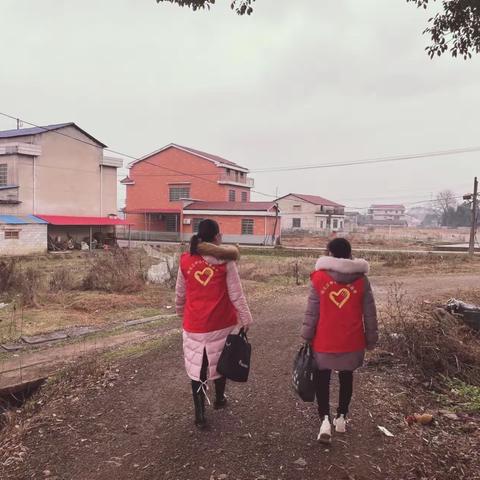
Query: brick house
[59,172]
[393,215]
[170,190]
[22,235]
[310,213]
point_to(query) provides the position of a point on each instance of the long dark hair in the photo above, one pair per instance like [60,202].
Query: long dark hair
[207,231]
[340,248]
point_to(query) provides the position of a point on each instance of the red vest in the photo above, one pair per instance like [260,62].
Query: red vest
[208,306]
[340,326]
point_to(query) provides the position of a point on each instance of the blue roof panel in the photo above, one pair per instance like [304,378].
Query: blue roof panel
[23,220]
[20,132]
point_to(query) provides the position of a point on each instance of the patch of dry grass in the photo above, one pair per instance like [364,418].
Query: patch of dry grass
[433,343]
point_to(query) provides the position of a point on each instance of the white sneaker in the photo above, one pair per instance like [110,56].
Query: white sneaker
[325,433]
[340,424]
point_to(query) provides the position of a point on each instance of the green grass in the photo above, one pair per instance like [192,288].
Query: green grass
[465,396]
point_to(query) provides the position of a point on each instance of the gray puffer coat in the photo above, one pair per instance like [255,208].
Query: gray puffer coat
[342,271]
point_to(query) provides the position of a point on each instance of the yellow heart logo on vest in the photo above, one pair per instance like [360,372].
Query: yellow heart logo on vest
[203,277]
[340,298]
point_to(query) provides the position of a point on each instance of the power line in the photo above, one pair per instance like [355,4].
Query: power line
[200,176]
[126,155]
[370,161]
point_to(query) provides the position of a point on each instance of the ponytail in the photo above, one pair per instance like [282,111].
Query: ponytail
[207,231]
[194,241]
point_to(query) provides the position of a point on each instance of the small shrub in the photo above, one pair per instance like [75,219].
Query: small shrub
[61,280]
[27,284]
[7,274]
[115,271]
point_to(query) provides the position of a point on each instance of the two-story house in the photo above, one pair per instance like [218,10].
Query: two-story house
[393,215]
[57,173]
[310,213]
[172,189]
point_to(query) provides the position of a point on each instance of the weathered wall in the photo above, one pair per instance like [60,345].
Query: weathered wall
[33,240]
[67,179]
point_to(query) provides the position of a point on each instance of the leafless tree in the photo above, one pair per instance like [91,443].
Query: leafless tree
[444,201]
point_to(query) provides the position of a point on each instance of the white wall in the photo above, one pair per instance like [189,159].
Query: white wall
[32,240]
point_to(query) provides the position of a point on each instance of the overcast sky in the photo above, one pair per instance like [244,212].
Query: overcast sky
[299,82]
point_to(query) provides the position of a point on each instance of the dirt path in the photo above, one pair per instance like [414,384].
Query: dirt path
[140,425]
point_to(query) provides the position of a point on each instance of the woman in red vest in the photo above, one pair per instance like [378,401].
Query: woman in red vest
[210,298]
[340,323]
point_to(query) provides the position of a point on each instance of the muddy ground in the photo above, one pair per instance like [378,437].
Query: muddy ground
[131,417]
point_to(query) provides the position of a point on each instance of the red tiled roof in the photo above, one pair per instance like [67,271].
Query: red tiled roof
[214,158]
[315,199]
[207,156]
[232,206]
[389,207]
[153,210]
[84,221]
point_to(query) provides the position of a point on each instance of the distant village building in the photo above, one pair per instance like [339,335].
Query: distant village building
[22,235]
[393,215]
[310,213]
[172,189]
[57,173]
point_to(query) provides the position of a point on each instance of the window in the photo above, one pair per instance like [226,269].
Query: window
[171,223]
[297,208]
[196,221]
[176,193]
[244,197]
[335,223]
[296,222]
[3,174]
[231,195]
[247,226]
[12,234]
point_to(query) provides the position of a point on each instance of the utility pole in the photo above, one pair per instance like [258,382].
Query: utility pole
[473,231]
[18,124]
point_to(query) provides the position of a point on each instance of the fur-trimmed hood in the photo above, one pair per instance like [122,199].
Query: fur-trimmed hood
[343,265]
[220,252]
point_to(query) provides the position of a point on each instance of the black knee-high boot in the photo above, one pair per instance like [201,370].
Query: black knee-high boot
[199,404]
[220,400]
[198,393]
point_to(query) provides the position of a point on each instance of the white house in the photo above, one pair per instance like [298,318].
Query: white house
[387,215]
[310,213]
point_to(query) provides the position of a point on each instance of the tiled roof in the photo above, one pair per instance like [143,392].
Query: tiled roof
[232,206]
[207,156]
[214,158]
[315,199]
[388,207]
[21,132]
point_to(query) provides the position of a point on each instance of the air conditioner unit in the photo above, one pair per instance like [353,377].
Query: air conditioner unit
[187,221]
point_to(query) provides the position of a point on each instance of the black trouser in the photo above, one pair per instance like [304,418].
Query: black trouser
[323,392]
[219,382]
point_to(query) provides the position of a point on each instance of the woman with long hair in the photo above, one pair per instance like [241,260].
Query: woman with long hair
[340,323]
[210,298]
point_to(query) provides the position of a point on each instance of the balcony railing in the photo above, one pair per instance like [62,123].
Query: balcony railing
[236,179]
[329,211]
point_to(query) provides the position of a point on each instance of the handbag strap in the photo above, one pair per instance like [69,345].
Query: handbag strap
[243,334]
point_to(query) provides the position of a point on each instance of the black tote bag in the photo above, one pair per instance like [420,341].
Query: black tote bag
[234,361]
[303,376]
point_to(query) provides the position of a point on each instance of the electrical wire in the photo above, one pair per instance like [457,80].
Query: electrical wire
[200,176]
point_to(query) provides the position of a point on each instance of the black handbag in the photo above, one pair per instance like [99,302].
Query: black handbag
[234,361]
[303,376]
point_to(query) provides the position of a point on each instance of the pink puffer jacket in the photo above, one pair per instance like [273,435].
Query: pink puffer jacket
[213,342]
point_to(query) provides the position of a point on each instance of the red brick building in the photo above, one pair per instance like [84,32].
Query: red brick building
[170,190]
